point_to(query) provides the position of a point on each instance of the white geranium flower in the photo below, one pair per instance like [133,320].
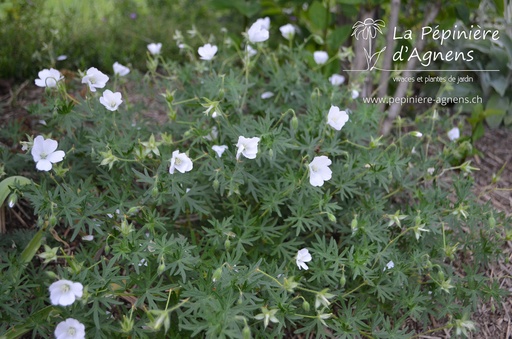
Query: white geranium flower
[95,79]
[48,78]
[267,95]
[287,31]
[180,162]
[65,292]
[336,118]
[247,146]
[257,32]
[88,237]
[355,94]
[219,149]
[45,154]
[70,329]
[319,170]
[154,48]
[120,70]
[250,51]
[454,134]
[111,100]
[213,134]
[320,57]
[389,265]
[264,22]
[303,256]
[207,52]
[336,79]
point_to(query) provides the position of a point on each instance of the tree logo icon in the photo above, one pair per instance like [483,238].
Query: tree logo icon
[367,30]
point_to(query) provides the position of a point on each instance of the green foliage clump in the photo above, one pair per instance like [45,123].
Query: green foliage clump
[395,235]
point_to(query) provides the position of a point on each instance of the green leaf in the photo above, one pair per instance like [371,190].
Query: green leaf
[338,36]
[495,110]
[319,16]
[5,188]
[500,84]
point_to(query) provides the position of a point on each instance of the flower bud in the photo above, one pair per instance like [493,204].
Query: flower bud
[294,123]
[227,244]
[52,220]
[271,153]
[246,332]
[161,267]
[331,217]
[492,222]
[305,306]
[12,200]
[353,224]
[126,324]
[154,191]
[215,184]
[217,274]
[343,279]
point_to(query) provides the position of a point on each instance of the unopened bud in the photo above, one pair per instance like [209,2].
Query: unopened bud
[305,306]
[331,217]
[294,123]
[215,184]
[343,279]
[227,244]
[217,274]
[161,267]
[12,200]
[246,332]
[492,222]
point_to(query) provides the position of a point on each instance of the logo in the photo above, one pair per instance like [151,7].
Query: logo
[367,30]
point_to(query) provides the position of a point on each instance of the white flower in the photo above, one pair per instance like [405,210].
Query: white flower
[267,315]
[88,237]
[215,115]
[154,48]
[355,94]
[389,265]
[336,118]
[207,52]
[454,134]
[70,329]
[431,170]
[267,95]
[336,79]
[48,78]
[62,57]
[95,79]
[181,162]
[219,149]
[247,146]
[303,256]
[264,22]
[287,31]
[45,154]
[257,32]
[213,134]
[65,292]
[250,51]
[120,70]
[320,57]
[111,100]
[319,170]
[322,298]
[416,134]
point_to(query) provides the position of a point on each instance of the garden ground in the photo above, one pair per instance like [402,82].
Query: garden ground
[494,319]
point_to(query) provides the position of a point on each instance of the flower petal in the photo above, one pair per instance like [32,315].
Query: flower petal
[56,156]
[44,165]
